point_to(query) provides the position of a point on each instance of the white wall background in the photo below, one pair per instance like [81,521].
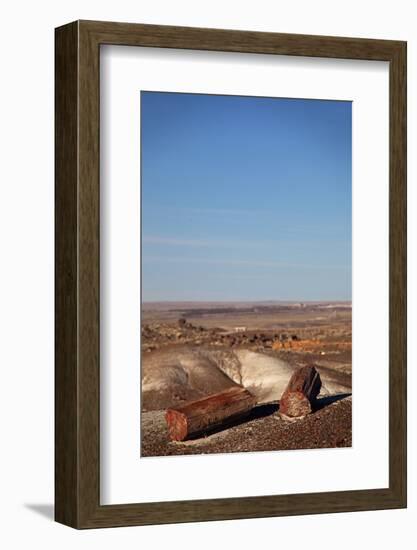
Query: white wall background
[26,274]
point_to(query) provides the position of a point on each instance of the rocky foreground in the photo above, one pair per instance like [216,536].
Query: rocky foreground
[182,363]
[264,430]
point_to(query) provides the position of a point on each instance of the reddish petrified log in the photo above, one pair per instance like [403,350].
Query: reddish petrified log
[299,396]
[208,413]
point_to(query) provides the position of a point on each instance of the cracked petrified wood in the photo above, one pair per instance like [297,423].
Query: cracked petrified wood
[208,413]
[300,395]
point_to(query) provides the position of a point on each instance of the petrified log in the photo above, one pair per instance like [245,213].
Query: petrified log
[299,396]
[208,413]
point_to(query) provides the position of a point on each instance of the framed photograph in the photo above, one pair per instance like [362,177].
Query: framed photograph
[230,274]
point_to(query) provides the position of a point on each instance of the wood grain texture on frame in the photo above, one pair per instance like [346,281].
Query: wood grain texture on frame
[77,361]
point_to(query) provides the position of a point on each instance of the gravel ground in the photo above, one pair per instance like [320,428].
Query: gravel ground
[263,430]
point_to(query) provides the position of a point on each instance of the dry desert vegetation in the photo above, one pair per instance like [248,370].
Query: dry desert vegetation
[232,377]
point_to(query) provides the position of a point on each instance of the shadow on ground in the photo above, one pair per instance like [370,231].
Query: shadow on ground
[326,401]
[45,510]
[261,411]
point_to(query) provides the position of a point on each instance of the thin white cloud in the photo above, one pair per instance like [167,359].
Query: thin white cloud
[248,263]
[174,241]
[225,243]
[329,229]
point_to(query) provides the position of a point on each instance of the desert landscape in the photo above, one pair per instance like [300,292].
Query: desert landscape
[246,241]
[223,377]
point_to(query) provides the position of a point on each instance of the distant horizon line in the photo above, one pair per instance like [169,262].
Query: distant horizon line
[343,300]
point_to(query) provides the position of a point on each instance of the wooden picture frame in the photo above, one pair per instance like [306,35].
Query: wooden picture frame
[77,374]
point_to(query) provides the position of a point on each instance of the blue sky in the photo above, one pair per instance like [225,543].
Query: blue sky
[245,198]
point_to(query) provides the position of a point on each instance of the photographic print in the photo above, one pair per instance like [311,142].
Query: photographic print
[203,274]
[246,265]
